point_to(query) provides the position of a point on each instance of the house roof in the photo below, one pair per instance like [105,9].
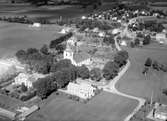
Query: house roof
[81,56]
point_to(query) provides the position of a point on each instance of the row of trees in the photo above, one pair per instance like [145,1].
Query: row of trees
[55,43]
[111,68]
[84,3]
[151,26]
[141,40]
[155,65]
[61,74]
[42,60]
[37,60]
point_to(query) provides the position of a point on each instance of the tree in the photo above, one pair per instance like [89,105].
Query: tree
[164,91]
[31,51]
[60,48]
[62,78]
[155,65]
[147,40]
[110,70]
[23,87]
[41,66]
[44,86]
[132,45]
[44,49]
[163,68]
[21,55]
[136,42]
[95,74]
[148,62]
[65,63]
[121,57]
[83,72]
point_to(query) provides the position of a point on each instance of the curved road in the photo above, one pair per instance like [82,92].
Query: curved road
[111,87]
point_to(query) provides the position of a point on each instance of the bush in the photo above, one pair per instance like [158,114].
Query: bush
[163,68]
[27,96]
[155,65]
[110,70]
[95,74]
[83,72]
[148,62]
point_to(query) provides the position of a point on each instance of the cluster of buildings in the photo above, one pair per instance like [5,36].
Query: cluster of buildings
[120,14]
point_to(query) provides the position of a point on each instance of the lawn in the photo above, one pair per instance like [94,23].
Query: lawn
[9,103]
[103,107]
[135,83]
[15,36]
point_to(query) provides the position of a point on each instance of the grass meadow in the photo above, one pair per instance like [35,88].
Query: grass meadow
[104,107]
[135,83]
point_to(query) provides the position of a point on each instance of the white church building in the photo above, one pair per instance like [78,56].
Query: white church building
[77,57]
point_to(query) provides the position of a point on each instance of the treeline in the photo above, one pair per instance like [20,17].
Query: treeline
[42,60]
[84,3]
[25,20]
[112,68]
[56,42]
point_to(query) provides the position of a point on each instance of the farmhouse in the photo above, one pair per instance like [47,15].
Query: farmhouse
[27,79]
[84,91]
[77,57]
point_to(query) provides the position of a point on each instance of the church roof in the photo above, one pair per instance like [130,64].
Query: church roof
[81,56]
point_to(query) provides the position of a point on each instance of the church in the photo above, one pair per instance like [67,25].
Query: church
[77,57]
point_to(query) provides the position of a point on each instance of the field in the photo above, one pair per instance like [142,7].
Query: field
[48,12]
[9,103]
[103,107]
[135,83]
[15,36]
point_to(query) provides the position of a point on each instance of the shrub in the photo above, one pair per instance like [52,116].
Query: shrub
[148,62]
[27,96]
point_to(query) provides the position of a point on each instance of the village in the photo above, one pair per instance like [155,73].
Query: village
[83,63]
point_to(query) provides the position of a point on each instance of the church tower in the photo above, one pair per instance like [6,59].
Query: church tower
[68,53]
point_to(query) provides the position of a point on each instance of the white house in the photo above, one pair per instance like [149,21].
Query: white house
[27,79]
[77,57]
[84,91]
